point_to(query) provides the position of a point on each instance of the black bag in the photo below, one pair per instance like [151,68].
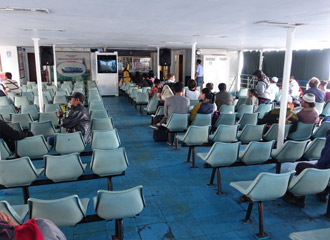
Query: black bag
[159,135]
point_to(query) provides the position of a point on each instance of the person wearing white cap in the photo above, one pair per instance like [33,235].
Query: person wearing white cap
[308,114]
[273,89]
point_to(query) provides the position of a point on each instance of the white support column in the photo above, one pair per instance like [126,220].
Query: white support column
[54,67]
[158,69]
[285,86]
[193,60]
[38,70]
[261,59]
[239,69]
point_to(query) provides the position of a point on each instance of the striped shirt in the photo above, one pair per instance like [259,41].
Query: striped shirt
[11,85]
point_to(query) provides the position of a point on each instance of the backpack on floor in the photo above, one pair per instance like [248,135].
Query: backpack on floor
[160,135]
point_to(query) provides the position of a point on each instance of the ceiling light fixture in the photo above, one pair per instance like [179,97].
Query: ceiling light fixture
[25,10]
[280,24]
[41,30]
[214,36]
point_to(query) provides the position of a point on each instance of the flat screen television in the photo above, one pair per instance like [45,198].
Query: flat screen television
[106,63]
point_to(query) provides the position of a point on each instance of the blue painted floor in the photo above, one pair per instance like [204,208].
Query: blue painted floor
[179,204]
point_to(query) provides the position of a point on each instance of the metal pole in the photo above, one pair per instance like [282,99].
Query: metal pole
[54,67]
[285,86]
[261,59]
[38,70]
[158,69]
[193,60]
[239,70]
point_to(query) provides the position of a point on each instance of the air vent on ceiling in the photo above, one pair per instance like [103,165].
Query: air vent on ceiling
[25,10]
[281,24]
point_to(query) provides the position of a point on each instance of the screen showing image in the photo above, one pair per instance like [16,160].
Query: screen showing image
[107,63]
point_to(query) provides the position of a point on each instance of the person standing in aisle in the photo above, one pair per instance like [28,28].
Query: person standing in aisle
[199,72]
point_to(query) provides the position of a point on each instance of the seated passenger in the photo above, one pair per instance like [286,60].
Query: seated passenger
[10,135]
[206,106]
[318,93]
[175,104]
[252,98]
[151,76]
[273,116]
[308,114]
[210,86]
[223,97]
[77,119]
[156,88]
[192,92]
[322,163]
[10,85]
[33,229]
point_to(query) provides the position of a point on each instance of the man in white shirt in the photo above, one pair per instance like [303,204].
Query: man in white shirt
[294,89]
[199,72]
[10,85]
[273,89]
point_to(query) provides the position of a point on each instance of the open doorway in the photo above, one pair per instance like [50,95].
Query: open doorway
[179,65]
[32,67]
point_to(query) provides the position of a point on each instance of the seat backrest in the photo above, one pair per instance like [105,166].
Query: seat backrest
[32,147]
[314,149]
[109,162]
[263,109]
[102,124]
[60,99]
[244,109]
[105,139]
[226,119]
[66,211]
[240,101]
[4,101]
[269,186]
[16,126]
[242,93]
[152,105]
[322,130]
[19,101]
[178,122]
[251,133]
[227,109]
[326,110]
[6,110]
[202,120]
[4,150]
[225,133]
[31,109]
[96,106]
[99,114]
[63,168]
[66,143]
[290,151]
[319,107]
[257,152]
[142,98]
[223,154]
[272,132]
[119,204]
[49,116]
[45,129]
[24,119]
[193,102]
[248,118]
[52,107]
[11,169]
[29,95]
[36,100]
[196,135]
[309,181]
[10,211]
[303,132]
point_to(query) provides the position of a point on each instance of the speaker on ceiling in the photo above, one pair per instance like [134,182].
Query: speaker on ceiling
[46,56]
[165,57]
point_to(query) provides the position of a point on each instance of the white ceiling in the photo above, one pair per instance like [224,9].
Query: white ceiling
[170,23]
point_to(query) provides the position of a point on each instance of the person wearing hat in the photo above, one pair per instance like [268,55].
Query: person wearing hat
[77,119]
[308,114]
[273,89]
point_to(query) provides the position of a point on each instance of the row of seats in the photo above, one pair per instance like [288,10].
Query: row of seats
[269,187]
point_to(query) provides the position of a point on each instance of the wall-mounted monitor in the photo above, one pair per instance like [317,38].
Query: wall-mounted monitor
[106,63]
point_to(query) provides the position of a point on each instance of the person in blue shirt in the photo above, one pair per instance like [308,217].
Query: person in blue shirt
[318,93]
[199,72]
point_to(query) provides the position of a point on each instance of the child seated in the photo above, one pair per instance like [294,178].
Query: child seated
[252,98]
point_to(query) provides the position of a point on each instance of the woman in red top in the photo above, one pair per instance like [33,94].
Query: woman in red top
[155,88]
